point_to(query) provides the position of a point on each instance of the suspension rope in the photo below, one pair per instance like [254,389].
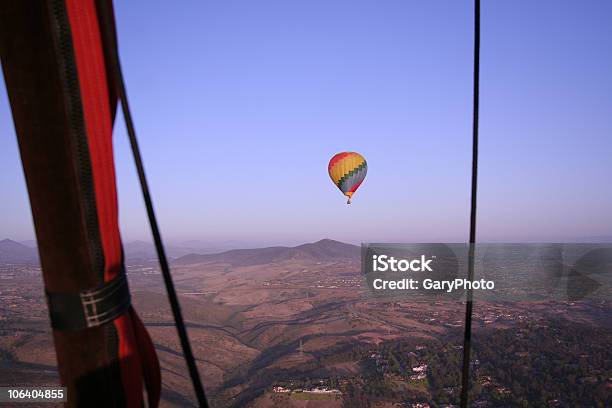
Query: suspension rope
[111,41]
[467,337]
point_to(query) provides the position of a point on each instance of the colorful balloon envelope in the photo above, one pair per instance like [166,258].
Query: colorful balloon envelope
[348,170]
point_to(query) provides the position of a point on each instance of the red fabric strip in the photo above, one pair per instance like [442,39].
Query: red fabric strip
[98,124]
[130,361]
[94,89]
[150,364]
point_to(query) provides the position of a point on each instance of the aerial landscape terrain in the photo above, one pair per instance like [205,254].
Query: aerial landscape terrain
[293,327]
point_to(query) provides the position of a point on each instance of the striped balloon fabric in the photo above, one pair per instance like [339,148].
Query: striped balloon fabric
[347,170]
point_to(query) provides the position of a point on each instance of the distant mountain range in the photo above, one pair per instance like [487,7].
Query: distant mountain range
[145,251]
[233,252]
[15,252]
[323,250]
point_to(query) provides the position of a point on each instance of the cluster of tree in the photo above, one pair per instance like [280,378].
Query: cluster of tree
[559,363]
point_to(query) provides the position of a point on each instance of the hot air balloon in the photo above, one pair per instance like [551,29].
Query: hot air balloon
[348,170]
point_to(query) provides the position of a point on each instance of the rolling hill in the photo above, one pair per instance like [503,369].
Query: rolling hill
[14,252]
[323,250]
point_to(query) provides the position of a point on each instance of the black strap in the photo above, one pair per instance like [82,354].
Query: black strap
[469,305]
[91,307]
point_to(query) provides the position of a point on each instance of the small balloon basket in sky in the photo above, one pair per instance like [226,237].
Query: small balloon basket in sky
[348,170]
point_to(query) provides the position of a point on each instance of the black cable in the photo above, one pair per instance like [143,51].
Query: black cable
[159,247]
[469,305]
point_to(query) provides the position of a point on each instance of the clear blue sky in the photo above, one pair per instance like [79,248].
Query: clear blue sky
[240,104]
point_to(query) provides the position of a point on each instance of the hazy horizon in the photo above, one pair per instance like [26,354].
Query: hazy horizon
[239,107]
[211,246]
